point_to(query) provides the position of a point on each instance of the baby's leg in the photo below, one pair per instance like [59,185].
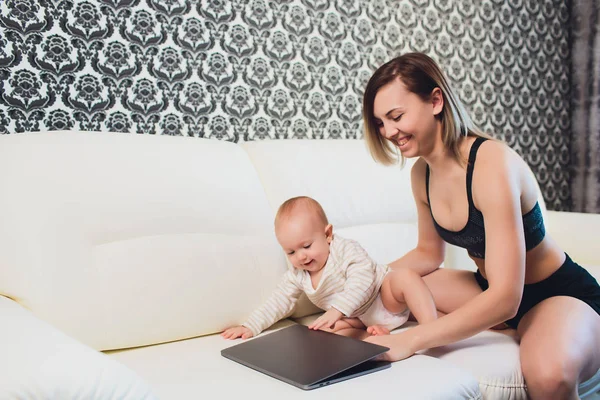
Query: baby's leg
[404,288]
[347,323]
[351,327]
[356,333]
[378,330]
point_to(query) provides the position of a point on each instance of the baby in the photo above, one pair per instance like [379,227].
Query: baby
[338,276]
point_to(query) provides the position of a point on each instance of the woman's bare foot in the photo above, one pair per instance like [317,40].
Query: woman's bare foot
[378,330]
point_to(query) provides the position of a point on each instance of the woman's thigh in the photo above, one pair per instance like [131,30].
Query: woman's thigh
[451,288]
[560,334]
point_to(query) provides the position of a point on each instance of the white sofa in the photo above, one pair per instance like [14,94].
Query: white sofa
[122,256]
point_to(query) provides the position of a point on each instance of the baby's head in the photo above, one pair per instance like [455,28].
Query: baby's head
[304,233]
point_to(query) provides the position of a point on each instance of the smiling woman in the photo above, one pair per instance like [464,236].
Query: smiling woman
[479,194]
[417,85]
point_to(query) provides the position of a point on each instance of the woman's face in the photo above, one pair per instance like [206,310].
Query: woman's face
[407,121]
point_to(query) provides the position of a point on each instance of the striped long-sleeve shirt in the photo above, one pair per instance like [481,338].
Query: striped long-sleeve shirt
[350,282]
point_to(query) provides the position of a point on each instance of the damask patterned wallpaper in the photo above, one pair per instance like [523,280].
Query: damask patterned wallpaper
[256,69]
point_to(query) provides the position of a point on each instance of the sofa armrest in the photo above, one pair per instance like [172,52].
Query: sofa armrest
[577,234]
[41,362]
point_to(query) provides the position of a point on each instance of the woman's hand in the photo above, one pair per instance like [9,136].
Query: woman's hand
[398,345]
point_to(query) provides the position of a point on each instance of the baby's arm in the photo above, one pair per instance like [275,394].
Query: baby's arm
[279,304]
[361,281]
[327,320]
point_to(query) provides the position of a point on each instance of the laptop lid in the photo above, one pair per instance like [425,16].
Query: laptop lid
[307,358]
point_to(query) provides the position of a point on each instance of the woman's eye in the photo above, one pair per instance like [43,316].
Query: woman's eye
[398,118]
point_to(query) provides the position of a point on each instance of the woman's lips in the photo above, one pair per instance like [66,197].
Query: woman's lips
[402,141]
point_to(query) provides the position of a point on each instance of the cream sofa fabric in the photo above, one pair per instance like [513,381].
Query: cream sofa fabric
[197,370]
[41,362]
[122,241]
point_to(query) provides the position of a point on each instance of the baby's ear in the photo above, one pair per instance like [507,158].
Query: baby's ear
[329,233]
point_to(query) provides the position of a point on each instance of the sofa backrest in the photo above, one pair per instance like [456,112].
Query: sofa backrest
[364,201]
[124,240]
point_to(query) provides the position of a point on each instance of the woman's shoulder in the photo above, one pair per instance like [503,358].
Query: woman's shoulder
[499,166]
[495,154]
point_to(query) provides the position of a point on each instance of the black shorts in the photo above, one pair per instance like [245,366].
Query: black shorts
[569,280]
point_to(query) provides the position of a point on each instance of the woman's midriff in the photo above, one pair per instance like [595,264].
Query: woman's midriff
[540,262]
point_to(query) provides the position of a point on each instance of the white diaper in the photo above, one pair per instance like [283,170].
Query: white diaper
[377,314]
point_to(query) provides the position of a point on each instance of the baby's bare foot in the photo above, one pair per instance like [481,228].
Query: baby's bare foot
[378,330]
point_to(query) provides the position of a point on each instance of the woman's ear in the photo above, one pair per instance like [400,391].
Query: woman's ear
[437,101]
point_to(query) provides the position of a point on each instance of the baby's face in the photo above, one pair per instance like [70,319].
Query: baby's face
[305,240]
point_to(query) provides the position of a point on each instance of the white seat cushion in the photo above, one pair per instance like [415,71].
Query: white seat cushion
[194,368]
[493,358]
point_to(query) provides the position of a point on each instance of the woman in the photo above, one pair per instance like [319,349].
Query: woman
[461,179]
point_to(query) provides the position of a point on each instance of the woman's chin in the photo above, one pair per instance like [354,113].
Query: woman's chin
[408,149]
[409,152]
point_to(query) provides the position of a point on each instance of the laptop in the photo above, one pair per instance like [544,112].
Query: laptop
[306,358]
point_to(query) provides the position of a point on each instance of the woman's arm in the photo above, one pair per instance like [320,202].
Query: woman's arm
[496,191]
[429,253]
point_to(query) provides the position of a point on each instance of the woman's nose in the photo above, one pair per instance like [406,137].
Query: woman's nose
[388,130]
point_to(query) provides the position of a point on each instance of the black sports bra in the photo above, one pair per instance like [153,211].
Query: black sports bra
[472,236]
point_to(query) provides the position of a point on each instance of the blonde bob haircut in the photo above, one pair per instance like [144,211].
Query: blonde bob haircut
[421,75]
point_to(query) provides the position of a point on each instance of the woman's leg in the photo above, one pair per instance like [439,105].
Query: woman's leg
[451,288]
[560,347]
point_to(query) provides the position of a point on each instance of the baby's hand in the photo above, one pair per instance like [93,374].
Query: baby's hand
[327,320]
[236,332]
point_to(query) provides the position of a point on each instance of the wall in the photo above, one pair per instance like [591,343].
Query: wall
[254,69]
[585,80]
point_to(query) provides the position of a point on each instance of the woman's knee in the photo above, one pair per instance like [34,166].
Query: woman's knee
[559,347]
[549,378]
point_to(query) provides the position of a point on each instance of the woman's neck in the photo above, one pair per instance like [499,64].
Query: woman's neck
[441,158]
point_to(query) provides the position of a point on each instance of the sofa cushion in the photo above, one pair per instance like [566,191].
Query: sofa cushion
[498,380]
[40,362]
[194,368]
[493,358]
[142,233]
